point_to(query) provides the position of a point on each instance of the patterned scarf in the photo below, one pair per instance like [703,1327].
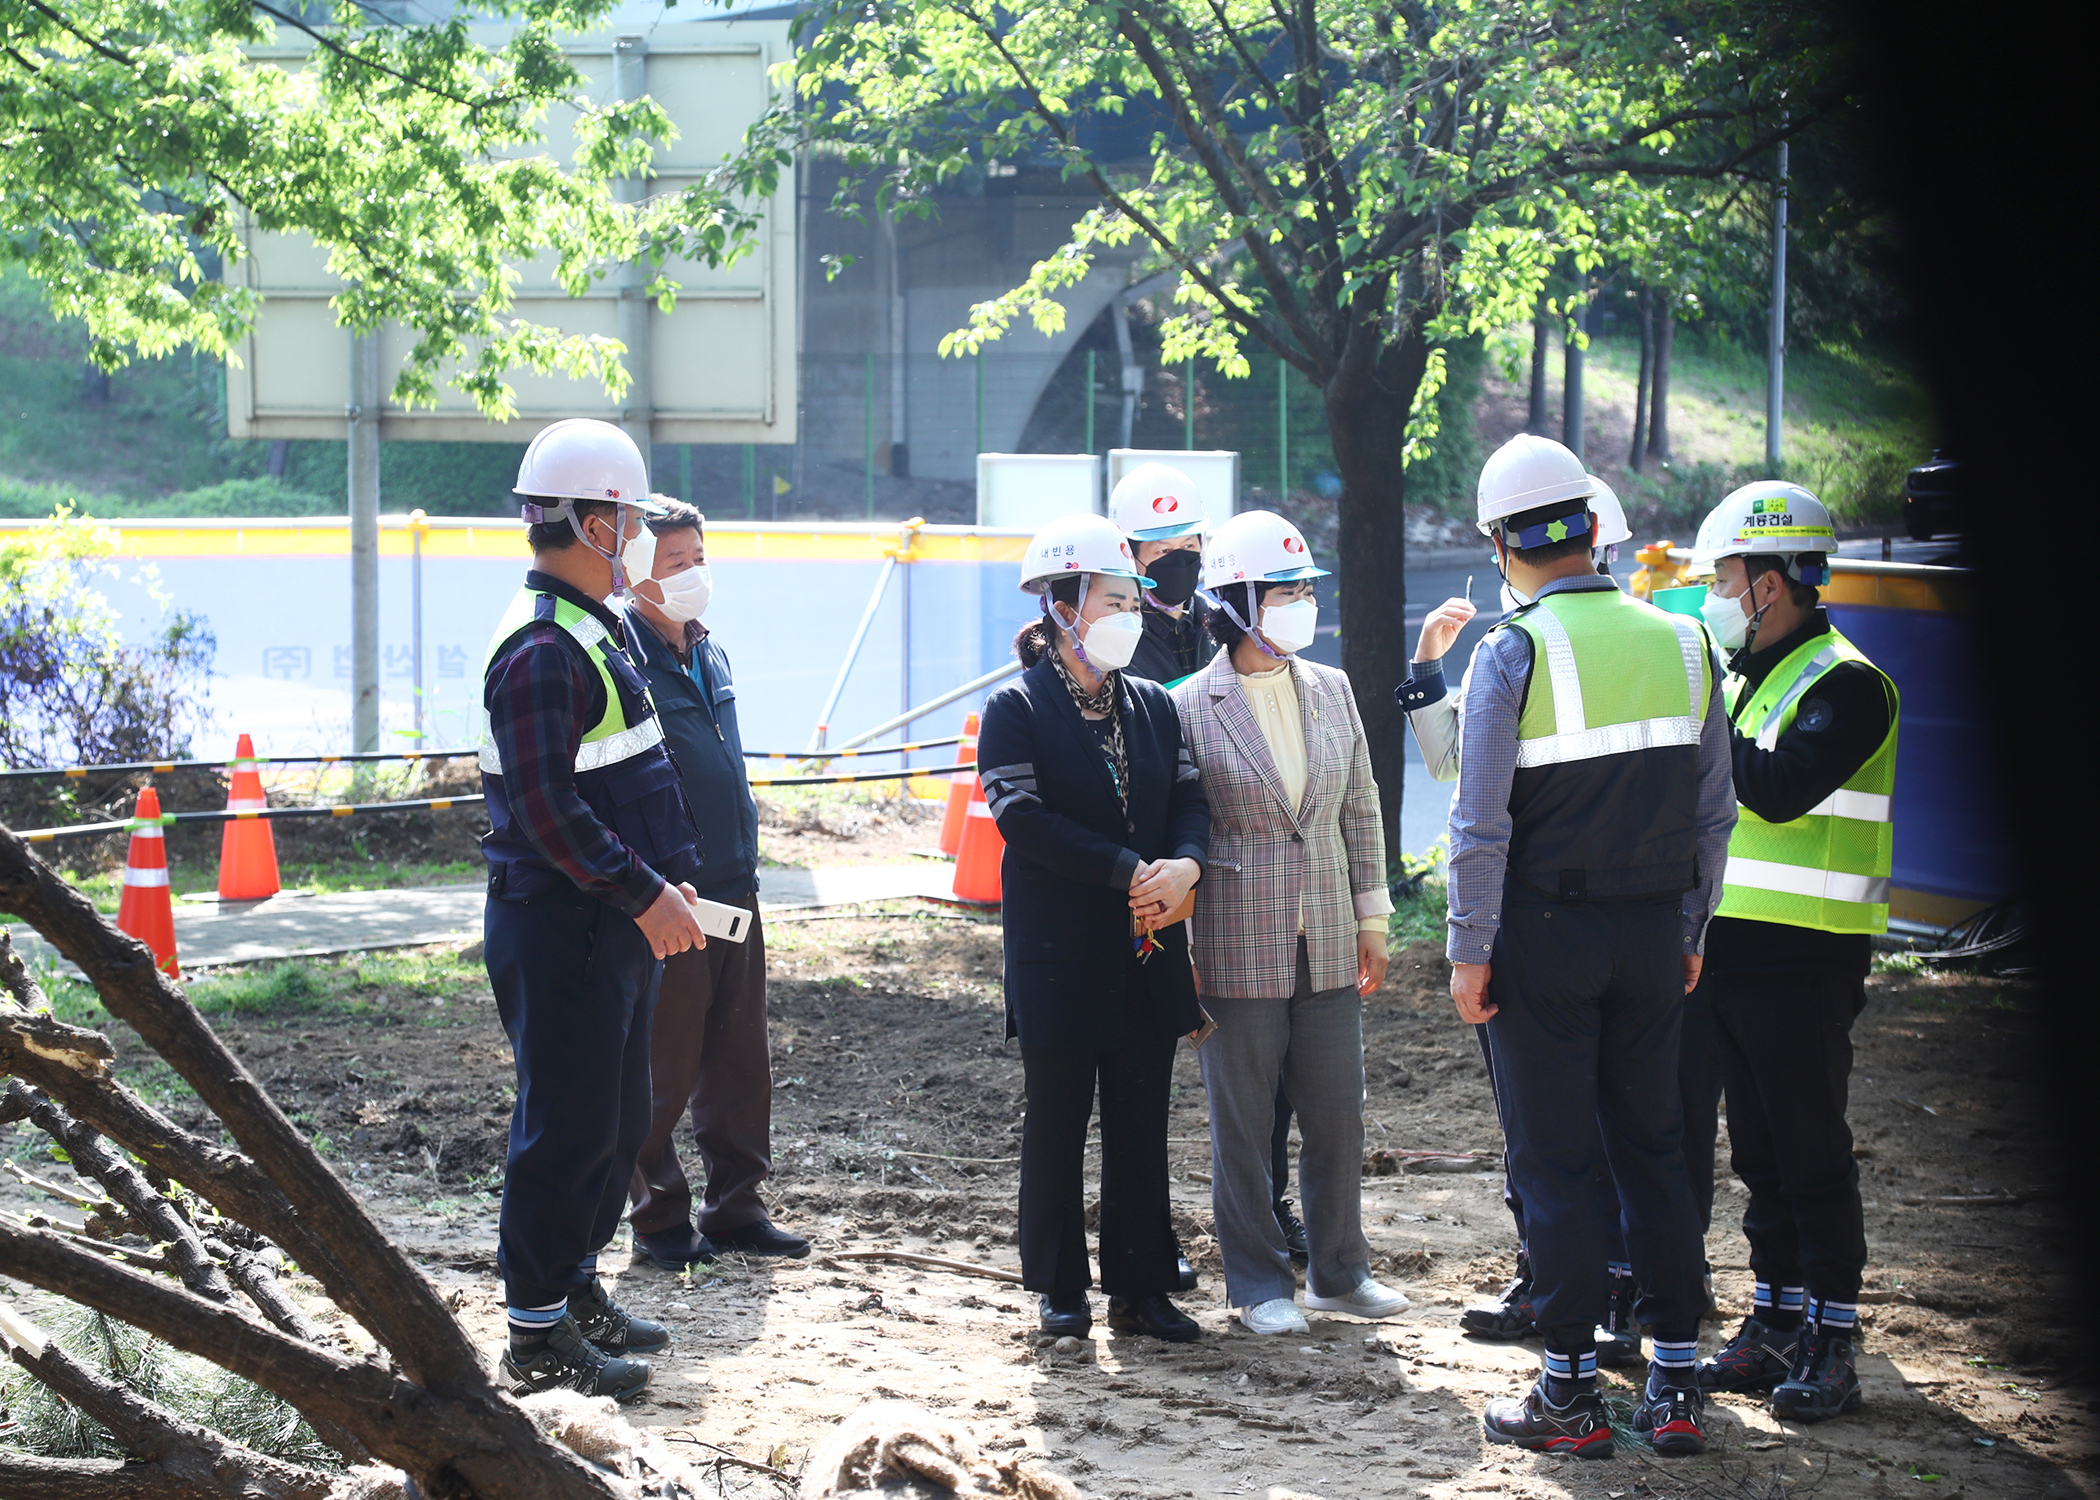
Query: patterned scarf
[1104,702]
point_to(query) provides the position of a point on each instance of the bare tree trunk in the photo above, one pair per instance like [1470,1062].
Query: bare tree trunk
[26,1477]
[1571,414]
[433,1410]
[180,1450]
[1646,319]
[154,1216]
[1659,402]
[1535,421]
[1367,404]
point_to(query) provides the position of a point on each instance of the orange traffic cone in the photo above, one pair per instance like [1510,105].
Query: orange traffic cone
[977,862]
[146,912]
[961,786]
[247,848]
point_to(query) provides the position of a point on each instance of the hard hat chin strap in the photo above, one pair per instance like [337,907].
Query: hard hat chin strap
[536,515]
[1072,630]
[1233,615]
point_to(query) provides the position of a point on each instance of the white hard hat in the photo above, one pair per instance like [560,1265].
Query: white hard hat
[581,458]
[1770,517]
[1611,515]
[1078,544]
[1525,473]
[1257,546]
[1155,501]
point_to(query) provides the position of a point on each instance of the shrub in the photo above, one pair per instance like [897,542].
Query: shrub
[71,692]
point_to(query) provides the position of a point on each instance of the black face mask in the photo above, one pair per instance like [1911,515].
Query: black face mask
[1173,576]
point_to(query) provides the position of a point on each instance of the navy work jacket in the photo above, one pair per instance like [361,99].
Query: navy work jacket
[696,699]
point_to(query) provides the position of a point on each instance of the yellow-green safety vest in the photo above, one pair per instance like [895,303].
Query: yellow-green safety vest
[610,740]
[1828,869]
[1621,692]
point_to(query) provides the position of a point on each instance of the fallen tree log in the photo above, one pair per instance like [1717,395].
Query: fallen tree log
[423,1402]
[182,1453]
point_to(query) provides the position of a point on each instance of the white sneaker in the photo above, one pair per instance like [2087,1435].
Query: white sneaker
[1277,1315]
[1369,1300]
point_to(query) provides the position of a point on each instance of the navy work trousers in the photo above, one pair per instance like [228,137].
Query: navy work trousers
[1786,1046]
[575,984]
[1699,1078]
[1584,1051]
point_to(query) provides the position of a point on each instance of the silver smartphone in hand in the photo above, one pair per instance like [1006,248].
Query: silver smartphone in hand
[717,920]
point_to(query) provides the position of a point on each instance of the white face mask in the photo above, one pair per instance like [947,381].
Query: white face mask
[1290,627]
[636,557]
[686,594]
[1723,614]
[1111,641]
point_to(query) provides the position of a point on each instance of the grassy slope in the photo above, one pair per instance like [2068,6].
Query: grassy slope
[158,444]
[1855,422]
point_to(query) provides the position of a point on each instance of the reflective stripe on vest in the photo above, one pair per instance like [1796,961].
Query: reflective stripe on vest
[609,741]
[1801,880]
[1830,868]
[1573,738]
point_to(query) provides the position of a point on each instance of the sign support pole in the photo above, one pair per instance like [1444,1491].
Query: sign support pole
[638,413]
[365,397]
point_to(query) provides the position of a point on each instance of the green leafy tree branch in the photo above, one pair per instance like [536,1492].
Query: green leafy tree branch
[141,141]
[1344,185]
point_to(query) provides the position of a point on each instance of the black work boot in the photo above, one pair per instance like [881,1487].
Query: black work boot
[565,1359]
[1618,1336]
[1756,1359]
[1293,1233]
[1154,1315]
[610,1326]
[1509,1318]
[1064,1315]
[1670,1412]
[1534,1422]
[1825,1379]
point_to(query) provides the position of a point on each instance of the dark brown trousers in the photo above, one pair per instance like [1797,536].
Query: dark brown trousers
[708,1057]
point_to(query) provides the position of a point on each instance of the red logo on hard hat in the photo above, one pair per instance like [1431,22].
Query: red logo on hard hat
[1166,505]
[612,494]
[1292,544]
[1126,549]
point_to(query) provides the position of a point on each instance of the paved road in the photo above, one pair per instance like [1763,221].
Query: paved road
[207,934]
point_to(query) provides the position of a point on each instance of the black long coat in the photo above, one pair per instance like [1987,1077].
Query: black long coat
[1070,858]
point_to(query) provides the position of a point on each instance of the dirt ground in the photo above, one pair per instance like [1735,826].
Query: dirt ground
[897,1123]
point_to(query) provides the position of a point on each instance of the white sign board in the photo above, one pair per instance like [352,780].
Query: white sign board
[1216,472]
[720,368]
[1025,491]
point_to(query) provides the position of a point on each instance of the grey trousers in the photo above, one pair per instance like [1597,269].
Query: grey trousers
[1313,1044]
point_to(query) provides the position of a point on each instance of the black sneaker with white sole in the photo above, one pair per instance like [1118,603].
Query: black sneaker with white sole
[612,1327]
[566,1360]
[1579,1428]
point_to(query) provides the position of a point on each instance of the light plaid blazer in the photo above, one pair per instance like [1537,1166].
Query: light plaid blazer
[1269,861]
